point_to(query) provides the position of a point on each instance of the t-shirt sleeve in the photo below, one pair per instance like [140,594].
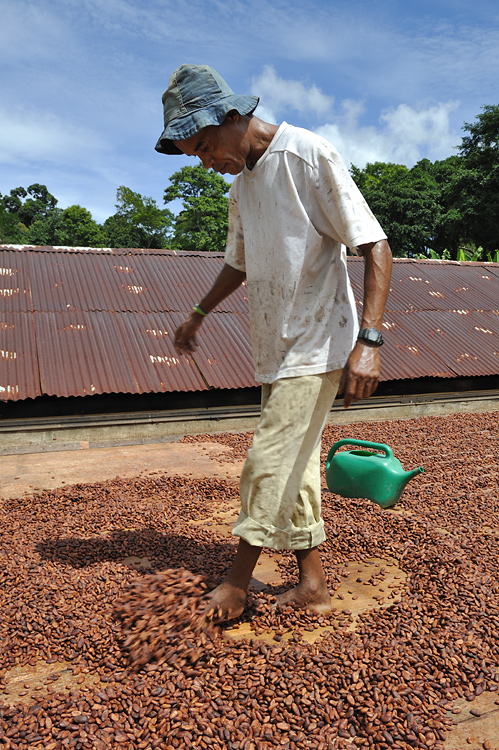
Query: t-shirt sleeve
[234,251]
[341,210]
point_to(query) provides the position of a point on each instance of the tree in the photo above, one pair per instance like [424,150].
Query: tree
[449,231]
[46,231]
[78,229]
[204,221]
[476,187]
[138,221]
[11,229]
[30,204]
[120,232]
[481,147]
[23,208]
[405,201]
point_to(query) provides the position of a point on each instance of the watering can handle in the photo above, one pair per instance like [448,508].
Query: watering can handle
[364,443]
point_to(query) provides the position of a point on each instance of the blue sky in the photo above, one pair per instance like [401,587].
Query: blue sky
[81,81]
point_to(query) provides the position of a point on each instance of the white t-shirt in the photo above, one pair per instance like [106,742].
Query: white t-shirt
[290,219]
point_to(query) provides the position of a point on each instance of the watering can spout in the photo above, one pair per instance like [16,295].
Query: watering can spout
[407,476]
[410,474]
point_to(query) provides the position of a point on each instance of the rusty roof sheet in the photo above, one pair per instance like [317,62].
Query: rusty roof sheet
[15,293]
[157,281]
[107,352]
[452,343]
[436,285]
[80,321]
[224,350]
[405,355]
[19,373]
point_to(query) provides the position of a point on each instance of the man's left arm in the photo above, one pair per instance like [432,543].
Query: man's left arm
[361,373]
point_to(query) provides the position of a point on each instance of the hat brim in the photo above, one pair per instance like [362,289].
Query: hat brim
[188,125]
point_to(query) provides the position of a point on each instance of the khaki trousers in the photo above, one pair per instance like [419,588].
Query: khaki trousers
[280,482]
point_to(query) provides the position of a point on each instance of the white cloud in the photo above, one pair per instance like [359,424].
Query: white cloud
[279,94]
[27,135]
[73,161]
[405,135]
[31,30]
[412,131]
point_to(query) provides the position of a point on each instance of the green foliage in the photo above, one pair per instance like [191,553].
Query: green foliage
[405,201]
[11,230]
[469,254]
[433,255]
[481,147]
[468,223]
[138,221]
[120,232]
[23,208]
[478,184]
[203,223]
[72,227]
[46,231]
[78,229]
[30,216]
[448,207]
[447,232]
[30,204]
[464,254]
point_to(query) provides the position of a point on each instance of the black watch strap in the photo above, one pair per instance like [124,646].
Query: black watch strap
[371,337]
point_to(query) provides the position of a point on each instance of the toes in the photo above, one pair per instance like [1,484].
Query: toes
[214,613]
[217,615]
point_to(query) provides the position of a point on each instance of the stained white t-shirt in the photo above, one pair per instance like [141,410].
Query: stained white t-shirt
[290,218]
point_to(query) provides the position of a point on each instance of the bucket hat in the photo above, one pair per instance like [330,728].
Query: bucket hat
[195,98]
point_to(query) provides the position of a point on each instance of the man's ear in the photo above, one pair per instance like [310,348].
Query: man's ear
[233,116]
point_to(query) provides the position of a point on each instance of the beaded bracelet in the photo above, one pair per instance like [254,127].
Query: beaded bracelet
[197,309]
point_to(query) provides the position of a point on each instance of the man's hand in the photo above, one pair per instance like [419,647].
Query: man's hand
[360,375]
[185,335]
[227,281]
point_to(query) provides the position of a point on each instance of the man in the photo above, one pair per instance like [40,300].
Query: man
[293,209]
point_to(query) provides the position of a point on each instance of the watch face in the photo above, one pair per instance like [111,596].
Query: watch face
[371,335]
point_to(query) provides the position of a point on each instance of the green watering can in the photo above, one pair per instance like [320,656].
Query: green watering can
[377,477]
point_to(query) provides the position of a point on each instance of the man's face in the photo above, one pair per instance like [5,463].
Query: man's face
[222,148]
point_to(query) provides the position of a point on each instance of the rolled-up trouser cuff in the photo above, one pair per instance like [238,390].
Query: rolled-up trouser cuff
[273,538]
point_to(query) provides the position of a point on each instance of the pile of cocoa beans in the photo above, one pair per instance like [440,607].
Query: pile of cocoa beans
[146,675]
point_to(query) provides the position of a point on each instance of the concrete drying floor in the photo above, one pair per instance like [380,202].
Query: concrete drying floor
[476,724]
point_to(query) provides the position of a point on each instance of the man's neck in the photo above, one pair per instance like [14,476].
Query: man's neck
[261,135]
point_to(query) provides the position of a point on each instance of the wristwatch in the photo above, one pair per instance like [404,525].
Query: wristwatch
[371,337]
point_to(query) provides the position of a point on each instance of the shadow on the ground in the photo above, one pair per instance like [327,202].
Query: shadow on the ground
[161,550]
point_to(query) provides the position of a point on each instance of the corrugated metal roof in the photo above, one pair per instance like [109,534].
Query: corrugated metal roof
[224,350]
[436,285]
[15,294]
[80,321]
[107,352]
[19,372]
[154,281]
[405,354]
[147,341]
[447,344]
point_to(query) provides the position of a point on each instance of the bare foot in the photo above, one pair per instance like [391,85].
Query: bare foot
[226,602]
[302,597]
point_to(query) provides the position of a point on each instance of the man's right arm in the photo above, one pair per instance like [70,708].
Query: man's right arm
[228,280]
